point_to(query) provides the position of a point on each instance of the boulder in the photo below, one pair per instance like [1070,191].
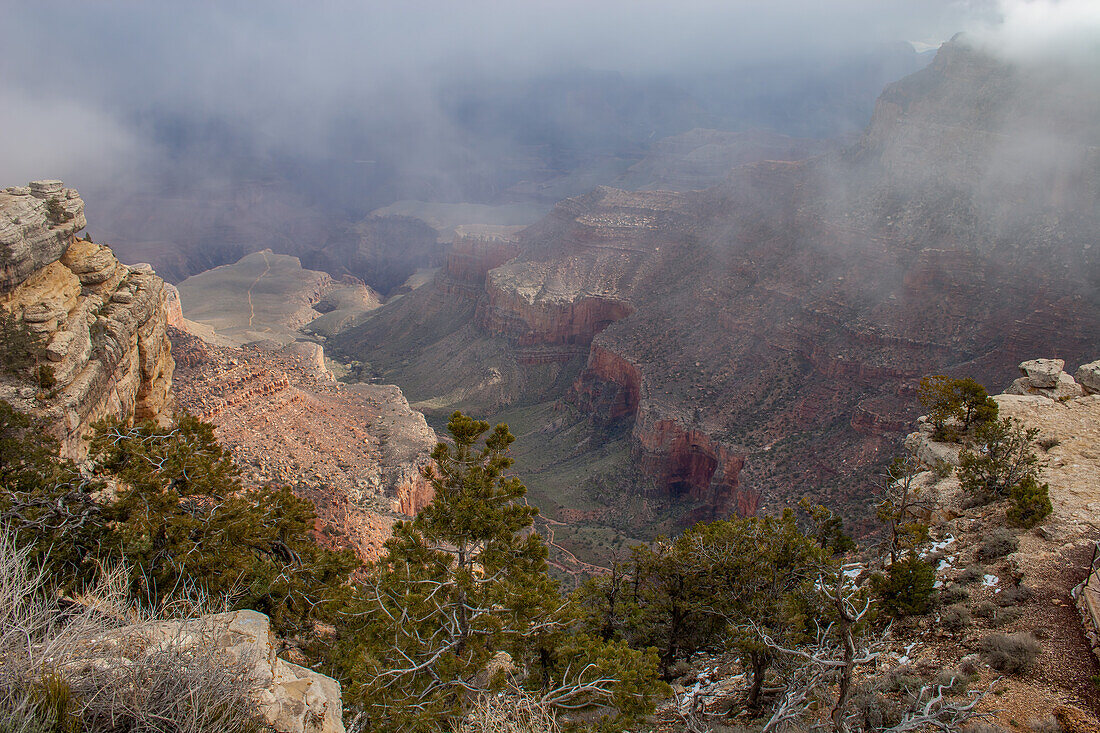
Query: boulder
[1088,376]
[291,698]
[1064,388]
[930,452]
[45,189]
[1042,373]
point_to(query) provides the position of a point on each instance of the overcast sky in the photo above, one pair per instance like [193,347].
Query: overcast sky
[79,80]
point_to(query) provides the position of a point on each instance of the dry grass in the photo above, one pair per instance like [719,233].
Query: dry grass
[64,667]
[510,712]
[1011,653]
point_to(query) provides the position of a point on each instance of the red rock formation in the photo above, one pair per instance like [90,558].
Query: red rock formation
[609,387]
[355,451]
[526,323]
[470,257]
[413,493]
[687,462]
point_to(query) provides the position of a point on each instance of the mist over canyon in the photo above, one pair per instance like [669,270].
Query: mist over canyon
[703,255]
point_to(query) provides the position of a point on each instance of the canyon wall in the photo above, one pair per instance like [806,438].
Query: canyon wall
[102,323]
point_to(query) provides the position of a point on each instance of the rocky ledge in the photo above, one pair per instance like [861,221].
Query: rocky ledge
[102,322]
[289,698]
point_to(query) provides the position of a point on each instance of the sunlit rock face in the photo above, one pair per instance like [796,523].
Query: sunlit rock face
[761,340]
[102,322]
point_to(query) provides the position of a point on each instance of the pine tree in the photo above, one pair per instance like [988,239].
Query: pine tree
[955,405]
[462,604]
[902,507]
[1030,502]
[45,501]
[20,348]
[1002,456]
[181,513]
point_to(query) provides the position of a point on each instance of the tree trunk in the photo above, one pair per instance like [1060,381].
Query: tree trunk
[759,661]
[844,689]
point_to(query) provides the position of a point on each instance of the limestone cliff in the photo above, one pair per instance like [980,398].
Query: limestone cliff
[102,322]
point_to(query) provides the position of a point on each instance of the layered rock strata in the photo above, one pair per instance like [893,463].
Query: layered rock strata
[103,323]
[355,450]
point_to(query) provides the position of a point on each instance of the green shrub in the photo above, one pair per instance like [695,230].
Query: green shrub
[1030,503]
[1006,616]
[1013,596]
[972,575]
[905,681]
[1048,724]
[906,589]
[941,469]
[954,681]
[953,593]
[955,405]
[55,212]
[985,609]
[1002,456]
[46,378]
[874,710]
[20,348]
[1010,653]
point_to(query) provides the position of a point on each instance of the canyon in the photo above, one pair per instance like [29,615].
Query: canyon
[248,339]
[116,343]
[735,348]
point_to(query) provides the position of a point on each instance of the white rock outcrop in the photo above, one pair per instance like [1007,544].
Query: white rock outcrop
[1044,377]
[1088,376]
[291,698]
[1042,373]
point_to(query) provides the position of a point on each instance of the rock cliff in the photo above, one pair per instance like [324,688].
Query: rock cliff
[102,322]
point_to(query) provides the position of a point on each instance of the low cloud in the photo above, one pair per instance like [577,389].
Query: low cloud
[1038,30]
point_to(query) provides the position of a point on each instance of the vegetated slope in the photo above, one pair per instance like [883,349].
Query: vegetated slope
[1028,577]
[1007,609]
[355,451]
[762,339]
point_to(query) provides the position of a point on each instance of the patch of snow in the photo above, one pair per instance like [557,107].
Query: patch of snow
[938,545]
[990,580]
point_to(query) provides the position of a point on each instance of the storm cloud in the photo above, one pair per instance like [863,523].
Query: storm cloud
[344,107]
